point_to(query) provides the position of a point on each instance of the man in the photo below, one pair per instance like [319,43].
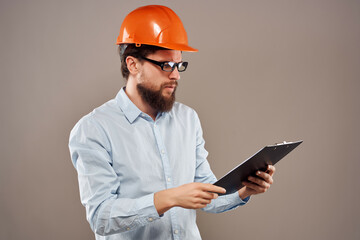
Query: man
[140,157]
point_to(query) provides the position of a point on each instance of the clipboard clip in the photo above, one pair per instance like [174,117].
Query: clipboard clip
[282,143]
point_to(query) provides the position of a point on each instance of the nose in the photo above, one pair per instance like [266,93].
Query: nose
[174,75]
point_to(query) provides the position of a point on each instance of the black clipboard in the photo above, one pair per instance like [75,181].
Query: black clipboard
[269,155]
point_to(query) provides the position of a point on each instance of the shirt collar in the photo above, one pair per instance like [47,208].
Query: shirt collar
[130,110]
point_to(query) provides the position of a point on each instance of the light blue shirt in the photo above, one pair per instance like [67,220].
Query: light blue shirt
[123,157]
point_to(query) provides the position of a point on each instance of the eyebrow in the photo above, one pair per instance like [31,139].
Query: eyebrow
[161,61]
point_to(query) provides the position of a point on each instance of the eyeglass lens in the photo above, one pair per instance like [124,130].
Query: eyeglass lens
[170,66]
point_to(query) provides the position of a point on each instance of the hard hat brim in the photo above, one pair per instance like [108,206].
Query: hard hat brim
[171,46]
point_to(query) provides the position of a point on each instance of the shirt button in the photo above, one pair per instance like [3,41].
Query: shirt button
[169,179]
[128,228]
[163,151]
[176,231]
[150,219]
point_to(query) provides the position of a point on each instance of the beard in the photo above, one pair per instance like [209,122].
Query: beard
[155,98]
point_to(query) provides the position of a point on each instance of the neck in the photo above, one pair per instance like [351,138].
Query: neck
[133,94]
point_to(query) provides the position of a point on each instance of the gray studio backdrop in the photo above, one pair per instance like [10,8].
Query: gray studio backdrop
[267,71]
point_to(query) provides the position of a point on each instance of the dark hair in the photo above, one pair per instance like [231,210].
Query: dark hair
[134,51]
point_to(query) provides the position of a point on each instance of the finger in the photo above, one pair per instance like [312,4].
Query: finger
[255,187]
[198,206]
[259,182]
[270,170]
[208,195]
[215,189]
[267,177]
[214,195]
[203,201]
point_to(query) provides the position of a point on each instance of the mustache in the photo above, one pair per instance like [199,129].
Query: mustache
[170,84]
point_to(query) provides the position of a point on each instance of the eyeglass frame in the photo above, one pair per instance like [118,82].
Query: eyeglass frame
[162,64]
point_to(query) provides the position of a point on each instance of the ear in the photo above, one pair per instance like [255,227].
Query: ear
[132,64]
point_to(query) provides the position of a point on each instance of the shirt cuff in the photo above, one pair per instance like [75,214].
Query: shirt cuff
[146,208]
[236,200]
[142,209]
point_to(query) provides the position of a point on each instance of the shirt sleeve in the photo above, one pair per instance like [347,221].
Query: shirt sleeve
[106,211]
[204,174]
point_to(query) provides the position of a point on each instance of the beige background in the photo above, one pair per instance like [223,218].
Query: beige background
[267,71]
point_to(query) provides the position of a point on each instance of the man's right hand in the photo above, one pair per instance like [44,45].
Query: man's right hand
[191,196]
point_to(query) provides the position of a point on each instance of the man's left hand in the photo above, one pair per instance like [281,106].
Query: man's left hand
[259,184]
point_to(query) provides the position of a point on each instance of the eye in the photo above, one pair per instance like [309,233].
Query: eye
[182,66]
[168,66]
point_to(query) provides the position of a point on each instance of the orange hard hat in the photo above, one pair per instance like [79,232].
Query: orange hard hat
[154,25]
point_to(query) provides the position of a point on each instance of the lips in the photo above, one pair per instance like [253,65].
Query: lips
[170,85]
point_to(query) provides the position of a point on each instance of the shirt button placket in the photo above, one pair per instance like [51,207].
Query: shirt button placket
[168,179]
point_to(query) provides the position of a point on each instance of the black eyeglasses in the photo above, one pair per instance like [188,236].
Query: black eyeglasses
[169,66]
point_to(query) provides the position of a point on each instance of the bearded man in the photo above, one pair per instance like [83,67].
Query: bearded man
[140,157]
